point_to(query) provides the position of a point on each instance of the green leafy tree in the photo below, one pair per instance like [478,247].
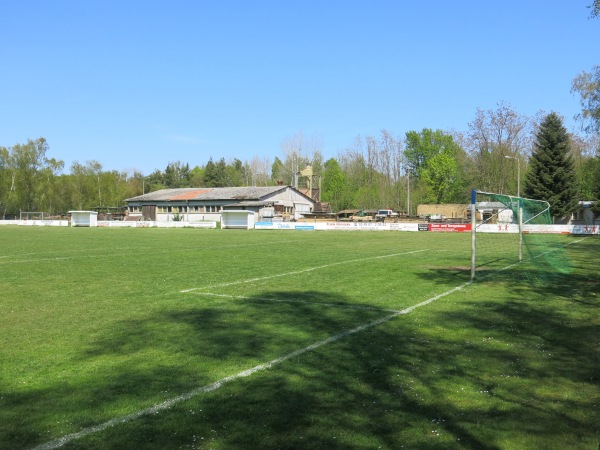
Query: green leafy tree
[215,175]
[367,197]
[432,158]
[595,7]
[596,187]
[114,188]
[551,176]
[154,182]
[420,148]
[587,85]
[197,177]
[277,170]
[222,180]
[63,193]
[354,166]
[177,175]
[210,173]
[50,197]
[335,186]
[29,160]
[135,184]
[6,177]
[586,166]
[317,163]
[86,184]
[588,179]
[594,178]
[236,173]
[26,177]
[440,176]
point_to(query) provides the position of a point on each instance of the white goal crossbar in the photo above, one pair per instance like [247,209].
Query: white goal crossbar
[31,215]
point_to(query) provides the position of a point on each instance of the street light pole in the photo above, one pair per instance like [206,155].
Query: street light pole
[520,205]
[518,174]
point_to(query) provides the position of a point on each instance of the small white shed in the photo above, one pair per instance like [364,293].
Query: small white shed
[84,218]
[241,219]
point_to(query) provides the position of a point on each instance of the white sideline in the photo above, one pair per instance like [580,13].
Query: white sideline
[155,409]
[510,266]
[87,255]
[296,272]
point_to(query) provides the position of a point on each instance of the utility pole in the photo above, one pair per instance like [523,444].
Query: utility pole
[520,206]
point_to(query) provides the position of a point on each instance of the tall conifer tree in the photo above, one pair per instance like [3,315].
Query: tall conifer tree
[551,174]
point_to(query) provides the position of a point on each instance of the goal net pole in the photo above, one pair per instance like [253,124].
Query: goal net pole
[473,231]
[520,200]
[497,217]
[31,215]
[518,211]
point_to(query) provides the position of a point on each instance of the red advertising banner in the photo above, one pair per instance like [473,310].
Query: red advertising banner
[450,227]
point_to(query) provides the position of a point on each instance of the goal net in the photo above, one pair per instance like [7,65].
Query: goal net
[31,215]
[513,235]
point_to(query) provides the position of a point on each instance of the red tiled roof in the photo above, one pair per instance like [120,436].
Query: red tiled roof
[190,195]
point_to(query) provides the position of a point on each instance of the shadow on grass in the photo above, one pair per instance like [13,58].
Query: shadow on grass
[481,376]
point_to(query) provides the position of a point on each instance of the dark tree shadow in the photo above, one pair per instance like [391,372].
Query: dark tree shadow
[402,383]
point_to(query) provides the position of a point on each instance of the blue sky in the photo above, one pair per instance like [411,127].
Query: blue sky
[138,84]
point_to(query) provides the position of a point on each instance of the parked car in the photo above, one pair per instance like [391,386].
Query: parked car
[383,214]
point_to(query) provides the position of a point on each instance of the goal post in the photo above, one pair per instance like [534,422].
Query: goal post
[31,215]
[503,226]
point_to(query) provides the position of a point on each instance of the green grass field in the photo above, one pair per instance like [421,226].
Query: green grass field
[226,339]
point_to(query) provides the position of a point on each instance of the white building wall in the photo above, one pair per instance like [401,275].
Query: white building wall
[292,198]
[190,217]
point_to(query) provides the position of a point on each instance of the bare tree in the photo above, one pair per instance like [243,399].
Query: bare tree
[394,148]
[493,135]
[260,169]
[299,151]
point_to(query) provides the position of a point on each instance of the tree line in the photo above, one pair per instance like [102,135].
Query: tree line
[398,172]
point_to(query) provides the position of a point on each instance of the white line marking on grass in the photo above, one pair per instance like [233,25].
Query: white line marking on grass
[437,297]
[305,302]
[112,255]
[510,266]
[155,409]
[57,258]
[297,272]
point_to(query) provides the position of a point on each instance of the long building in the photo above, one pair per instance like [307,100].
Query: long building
[199,204]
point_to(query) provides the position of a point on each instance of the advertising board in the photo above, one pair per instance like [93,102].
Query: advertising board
[460,227]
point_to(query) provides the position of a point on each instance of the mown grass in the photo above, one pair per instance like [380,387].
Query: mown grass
[94,327]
